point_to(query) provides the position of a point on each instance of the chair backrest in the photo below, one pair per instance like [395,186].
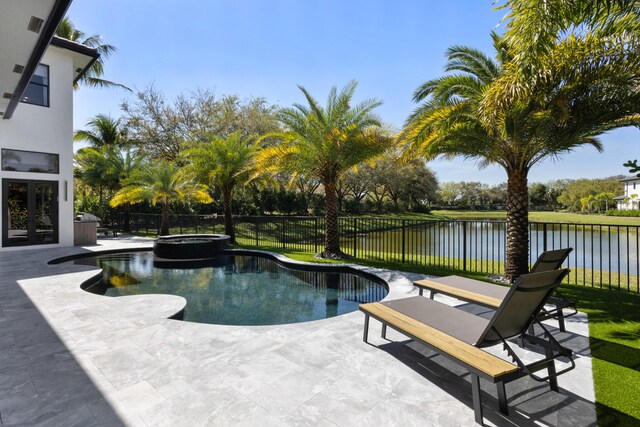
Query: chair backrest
[521,305]
[550,260]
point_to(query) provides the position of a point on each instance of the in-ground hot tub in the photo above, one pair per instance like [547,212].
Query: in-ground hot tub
[190,246]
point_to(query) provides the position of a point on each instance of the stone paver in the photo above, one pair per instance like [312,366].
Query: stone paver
[68,357]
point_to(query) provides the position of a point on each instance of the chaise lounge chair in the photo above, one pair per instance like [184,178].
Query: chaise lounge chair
[460,336]
[490,295]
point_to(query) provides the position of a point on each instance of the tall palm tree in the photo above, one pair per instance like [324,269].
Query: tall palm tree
[324,143]
[104,134]
[93,76]
[122,164]
[224,163]
[102,131]
[163,183]
[552,122]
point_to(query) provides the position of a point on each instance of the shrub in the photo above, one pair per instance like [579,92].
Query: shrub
[629,213]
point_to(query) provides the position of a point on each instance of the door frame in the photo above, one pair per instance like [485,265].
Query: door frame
[31,205]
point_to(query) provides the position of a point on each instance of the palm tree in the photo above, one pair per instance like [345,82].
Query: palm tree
[104,135]
[122,164]
[67,30]
[324,143]
[224,163]
[161,182]
[103,131]
[450,122]
[93,167]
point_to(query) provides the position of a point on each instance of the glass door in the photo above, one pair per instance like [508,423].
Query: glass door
[30,212]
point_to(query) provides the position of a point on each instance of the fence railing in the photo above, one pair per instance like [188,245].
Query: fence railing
[603,256]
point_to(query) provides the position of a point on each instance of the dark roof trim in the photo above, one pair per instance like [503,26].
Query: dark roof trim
[78,48]
[631,178]
[57,13]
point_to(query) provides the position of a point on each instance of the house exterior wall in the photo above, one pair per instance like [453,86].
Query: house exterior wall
[50,130]
[631,194]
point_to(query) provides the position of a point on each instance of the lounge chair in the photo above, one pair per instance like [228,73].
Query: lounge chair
[460,336]
[490,295]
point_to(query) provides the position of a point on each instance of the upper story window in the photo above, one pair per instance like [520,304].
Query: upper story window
[37,92]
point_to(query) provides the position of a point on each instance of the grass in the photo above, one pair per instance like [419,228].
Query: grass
[536,216]
[614,329]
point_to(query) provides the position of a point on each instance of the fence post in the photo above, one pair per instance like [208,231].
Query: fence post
[544,236]
[257,232]
[283,226]
[464,245]
[315,236]
[355,237]
[403,240]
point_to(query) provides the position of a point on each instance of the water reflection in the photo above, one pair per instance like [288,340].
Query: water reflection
[238,290]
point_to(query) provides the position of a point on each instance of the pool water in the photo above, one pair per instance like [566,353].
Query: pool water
[237,290]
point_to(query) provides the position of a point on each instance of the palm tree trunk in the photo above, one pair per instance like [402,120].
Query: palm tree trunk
[100,202]
[228,219]
[332,236]
[164,223]
[517,224]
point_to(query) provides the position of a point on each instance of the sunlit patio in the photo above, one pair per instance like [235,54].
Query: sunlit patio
[68,357]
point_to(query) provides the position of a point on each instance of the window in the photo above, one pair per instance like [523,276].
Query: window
[37,92]
[30,161]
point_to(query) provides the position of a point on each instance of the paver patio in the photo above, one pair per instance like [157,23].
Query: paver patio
[68,357]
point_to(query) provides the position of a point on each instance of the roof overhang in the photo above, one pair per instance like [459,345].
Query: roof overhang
[26,29]
[83,56]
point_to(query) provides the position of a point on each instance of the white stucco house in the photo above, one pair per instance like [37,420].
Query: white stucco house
[37,74]
[631,197]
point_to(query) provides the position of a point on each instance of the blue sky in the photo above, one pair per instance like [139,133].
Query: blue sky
[265,48]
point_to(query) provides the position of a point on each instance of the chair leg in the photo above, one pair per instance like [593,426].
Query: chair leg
[553,379]
[560,319]
[432,294]
[366,328]
[477,404]
[384,331]
[420,291]
[502,398]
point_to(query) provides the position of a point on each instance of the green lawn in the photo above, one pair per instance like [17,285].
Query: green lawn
[614,328]
[535,217]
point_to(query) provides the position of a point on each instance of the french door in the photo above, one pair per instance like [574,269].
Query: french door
[29,212]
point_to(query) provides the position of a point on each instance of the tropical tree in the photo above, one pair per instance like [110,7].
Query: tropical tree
[122,164]
[325,142]
[161,182]
[555,121]
[604,200]
[93,76]
[224,163]
[102,131]
[93,169]
[588,203]
[585,45]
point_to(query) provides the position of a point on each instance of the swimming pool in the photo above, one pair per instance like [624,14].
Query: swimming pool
[238,289]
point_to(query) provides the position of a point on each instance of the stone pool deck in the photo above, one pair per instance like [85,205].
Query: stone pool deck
[71,358]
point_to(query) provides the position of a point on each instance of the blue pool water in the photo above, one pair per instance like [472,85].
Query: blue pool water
[237,290]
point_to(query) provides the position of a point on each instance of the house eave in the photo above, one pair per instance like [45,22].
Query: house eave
[46,34]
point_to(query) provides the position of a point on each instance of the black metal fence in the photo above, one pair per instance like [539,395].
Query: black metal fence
[604,255]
